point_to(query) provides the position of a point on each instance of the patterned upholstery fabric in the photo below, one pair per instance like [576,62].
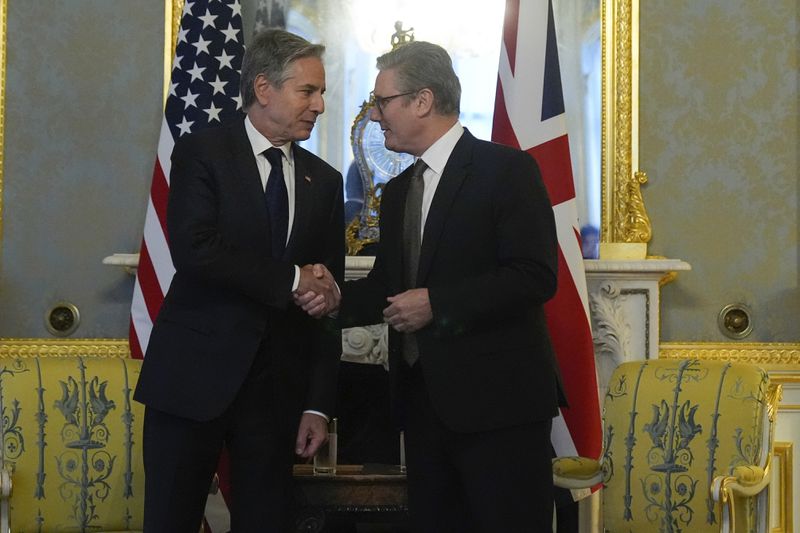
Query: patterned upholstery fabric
[670,428]
[71,439]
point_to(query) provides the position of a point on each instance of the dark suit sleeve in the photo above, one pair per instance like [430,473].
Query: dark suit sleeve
[196,242]
[524,246]
[363,300]
[326,348]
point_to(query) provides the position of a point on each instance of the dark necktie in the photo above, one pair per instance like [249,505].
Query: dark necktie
[412,226]
[277,201]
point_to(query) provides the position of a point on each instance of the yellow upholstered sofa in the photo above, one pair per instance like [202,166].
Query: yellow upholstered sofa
[71,445]
[687,446]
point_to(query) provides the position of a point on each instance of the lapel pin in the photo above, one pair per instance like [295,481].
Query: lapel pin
[308,179]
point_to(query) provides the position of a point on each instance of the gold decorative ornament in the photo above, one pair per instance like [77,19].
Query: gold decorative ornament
[401,36]
[637,224]
[625,227]
[769,355]
[782,453]
[376,164]
[64,347]
[173,11]
[354,245]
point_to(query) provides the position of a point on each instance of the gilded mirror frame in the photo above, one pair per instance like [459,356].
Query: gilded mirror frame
[625,227]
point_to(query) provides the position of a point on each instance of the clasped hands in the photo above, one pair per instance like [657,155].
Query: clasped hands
[318,295]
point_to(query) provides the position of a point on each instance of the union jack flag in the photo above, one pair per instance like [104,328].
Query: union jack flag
[529,114]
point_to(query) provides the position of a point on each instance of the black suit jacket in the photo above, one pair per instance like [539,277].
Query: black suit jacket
[228,294]
[489,261]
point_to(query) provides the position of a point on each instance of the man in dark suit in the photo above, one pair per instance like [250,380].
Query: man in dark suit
[231,359]
[467,257]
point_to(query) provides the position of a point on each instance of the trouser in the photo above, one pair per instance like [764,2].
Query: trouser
[488,481]
[181,456]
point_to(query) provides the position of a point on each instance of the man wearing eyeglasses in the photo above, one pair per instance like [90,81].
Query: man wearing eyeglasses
[467,258]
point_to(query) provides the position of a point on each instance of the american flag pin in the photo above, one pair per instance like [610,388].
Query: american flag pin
[308,179]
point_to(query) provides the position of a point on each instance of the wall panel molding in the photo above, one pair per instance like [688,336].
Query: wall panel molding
[64,347]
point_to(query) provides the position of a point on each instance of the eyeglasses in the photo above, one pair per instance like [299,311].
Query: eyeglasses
[381,101]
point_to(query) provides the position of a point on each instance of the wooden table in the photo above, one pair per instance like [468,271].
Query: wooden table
[374,494]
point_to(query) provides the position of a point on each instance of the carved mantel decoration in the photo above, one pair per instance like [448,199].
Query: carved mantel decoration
[624,301]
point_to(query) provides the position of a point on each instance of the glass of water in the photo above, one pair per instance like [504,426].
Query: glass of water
[325,459]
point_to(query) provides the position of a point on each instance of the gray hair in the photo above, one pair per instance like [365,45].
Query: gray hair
[420,64]
[271,53]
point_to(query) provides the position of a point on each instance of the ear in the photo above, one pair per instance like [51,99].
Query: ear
[424,102]
[261,87]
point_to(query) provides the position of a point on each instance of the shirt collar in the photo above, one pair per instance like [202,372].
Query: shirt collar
[259,143]
[438,153]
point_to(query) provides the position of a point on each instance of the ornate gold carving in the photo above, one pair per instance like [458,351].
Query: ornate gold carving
[351,237]
[783,452]
[64,348]
[401,36]
[765,354]
[668,277]
[173,10]
[364,229]
[637,224]
[774,395]
[624,218]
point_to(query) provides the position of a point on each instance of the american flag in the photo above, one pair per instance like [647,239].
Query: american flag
[203,91]
[529,114]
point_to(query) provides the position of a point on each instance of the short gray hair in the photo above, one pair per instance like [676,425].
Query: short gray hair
[420,64]
[271,53]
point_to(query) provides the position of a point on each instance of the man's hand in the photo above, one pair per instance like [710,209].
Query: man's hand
[317,293]
[409,311]
[311,434]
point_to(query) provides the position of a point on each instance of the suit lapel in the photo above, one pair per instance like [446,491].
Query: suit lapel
[244,163]
[455,171]
[396,245]
[303,201]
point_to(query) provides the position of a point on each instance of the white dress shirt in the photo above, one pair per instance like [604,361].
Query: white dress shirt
[259,144]
[436,157]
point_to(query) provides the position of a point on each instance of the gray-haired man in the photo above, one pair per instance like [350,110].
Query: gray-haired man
[466,260]
[231,359]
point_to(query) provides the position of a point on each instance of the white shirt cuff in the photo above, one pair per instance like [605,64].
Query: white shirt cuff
[323,415]
[296,282]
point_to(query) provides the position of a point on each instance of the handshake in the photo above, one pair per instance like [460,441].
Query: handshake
[317,293]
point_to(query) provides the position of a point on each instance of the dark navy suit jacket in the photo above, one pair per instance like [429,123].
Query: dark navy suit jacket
[228,294]
[489,260]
